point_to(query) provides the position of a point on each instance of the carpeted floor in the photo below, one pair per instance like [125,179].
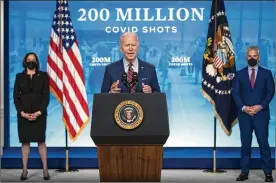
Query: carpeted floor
[172,175]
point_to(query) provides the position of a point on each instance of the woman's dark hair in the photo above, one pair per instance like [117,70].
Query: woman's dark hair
[25,60]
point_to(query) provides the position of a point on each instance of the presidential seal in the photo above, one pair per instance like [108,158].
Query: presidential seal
[128,115]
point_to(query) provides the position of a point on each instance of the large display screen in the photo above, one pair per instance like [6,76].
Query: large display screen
[172,37]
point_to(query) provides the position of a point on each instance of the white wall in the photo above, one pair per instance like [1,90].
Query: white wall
[1,75]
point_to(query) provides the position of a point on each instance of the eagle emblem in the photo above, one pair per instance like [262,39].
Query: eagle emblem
[222,56]
[129,115]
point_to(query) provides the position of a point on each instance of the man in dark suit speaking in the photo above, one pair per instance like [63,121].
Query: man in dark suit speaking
[130,74]
[253,90]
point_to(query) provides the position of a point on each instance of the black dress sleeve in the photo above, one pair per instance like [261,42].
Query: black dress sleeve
[45,95]
[16,95]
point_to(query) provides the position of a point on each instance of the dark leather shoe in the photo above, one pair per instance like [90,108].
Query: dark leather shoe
[242,177]
[47,176]
[268,178]
[24,176]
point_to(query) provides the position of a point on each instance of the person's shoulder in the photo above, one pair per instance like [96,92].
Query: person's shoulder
[42,73]
[146,64]
[114,64]
[264,69]
[266,72]
[20,74]
[242,70]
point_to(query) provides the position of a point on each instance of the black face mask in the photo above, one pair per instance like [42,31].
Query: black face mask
[252,62]
[31,65]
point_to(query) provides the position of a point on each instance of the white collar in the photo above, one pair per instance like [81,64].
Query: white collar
[135,62]
[256,67]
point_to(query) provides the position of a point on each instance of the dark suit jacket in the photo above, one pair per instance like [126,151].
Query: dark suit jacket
[261,94]
[146,75]
[31,95]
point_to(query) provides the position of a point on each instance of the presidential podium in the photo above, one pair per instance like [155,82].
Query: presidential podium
[129,131]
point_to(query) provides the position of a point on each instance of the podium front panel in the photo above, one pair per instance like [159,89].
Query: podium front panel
[154,128]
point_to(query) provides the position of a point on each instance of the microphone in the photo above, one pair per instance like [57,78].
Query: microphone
[124,79]
[135,77]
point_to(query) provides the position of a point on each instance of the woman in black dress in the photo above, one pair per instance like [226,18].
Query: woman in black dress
[31,98]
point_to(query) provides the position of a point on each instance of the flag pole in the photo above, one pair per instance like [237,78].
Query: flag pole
[215,170]
[67,169]
[215,145]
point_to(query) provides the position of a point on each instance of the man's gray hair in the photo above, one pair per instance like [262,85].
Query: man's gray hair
[128,33]
[250,48]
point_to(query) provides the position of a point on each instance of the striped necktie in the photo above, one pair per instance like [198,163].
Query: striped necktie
[129,78]
[252,79]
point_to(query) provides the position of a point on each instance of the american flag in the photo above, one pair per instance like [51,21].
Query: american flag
[218,62]
[65,71]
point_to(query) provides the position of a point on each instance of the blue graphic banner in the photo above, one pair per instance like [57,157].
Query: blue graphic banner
[172,37]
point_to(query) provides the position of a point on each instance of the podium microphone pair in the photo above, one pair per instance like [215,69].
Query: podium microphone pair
[134,79]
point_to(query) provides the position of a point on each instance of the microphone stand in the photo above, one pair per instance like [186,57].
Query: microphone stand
[129,88]
[127,84]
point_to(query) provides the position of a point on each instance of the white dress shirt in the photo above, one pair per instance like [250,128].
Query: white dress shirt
[249,73]
[135,65]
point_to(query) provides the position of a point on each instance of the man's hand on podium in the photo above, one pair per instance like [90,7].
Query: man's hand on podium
[146,88]
[114,87]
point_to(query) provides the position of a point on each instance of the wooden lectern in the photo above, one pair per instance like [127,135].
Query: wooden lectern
[133,155]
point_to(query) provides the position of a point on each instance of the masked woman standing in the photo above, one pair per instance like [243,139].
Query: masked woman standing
[31,98]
